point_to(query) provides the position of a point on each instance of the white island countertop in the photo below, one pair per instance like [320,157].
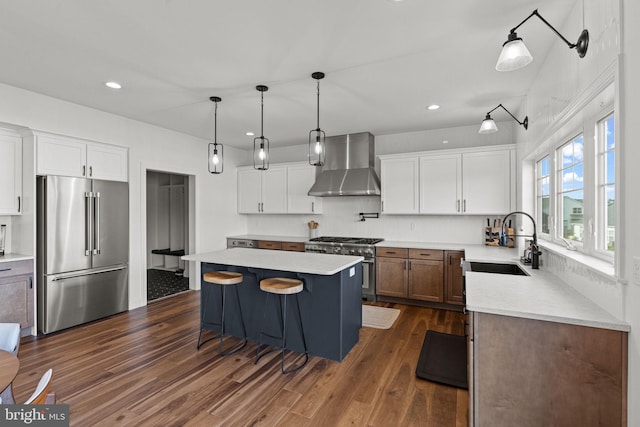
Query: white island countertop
[297,262]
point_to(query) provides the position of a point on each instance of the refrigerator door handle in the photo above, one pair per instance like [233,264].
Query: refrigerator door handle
[88,224]
[62,276]
[96,237]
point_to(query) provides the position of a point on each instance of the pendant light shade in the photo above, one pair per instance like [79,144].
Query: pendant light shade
[317,136]
[489,126]
[260,143]
[515,54]
[216,155]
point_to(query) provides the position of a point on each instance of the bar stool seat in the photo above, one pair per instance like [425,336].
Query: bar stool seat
[224,279]
[281,287]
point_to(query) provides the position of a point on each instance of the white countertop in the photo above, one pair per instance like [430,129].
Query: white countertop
[474,252]
[271,237]
[14,257]
[540,296]
[297,262]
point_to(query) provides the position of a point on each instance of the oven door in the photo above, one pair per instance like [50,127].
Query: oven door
[369,279]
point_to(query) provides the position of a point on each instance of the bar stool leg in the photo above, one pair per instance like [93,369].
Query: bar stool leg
[244,331]
[304,341]
[204,314]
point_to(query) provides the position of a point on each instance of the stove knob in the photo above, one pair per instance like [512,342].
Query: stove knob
[336,250]
[352,251]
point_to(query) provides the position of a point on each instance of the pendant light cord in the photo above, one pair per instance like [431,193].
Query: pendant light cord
[215,125]
[262,115]
[318,109]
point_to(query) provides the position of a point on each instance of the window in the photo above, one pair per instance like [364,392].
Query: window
[606,202]
[570,196]
[543,193]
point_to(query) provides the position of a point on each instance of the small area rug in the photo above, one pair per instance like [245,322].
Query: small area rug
[378,317]
[443,359]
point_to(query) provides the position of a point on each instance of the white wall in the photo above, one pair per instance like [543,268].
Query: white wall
[340,214]
[150,147]
[629,128]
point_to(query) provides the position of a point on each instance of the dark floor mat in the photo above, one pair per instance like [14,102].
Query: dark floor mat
[161,283]
[443,359]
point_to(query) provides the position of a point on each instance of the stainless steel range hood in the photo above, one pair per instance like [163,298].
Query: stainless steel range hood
[349,167]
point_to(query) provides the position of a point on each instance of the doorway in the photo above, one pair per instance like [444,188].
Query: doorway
[167,233]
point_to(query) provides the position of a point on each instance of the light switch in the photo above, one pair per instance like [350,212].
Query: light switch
[352,271]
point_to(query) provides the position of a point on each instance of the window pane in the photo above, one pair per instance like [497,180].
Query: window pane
[609,132]
[544,166]
[572,215]
[610,213]
[544,187]
[545,214]
[578,149]
[567,179]
[610,167]
[578,176]
[567,155]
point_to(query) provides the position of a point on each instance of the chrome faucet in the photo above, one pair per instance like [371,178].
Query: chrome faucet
[535,251]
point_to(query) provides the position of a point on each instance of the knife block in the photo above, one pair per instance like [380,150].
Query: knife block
[492,236]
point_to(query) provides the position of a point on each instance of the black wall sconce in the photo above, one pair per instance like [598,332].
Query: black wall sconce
[489,126]
[515,54]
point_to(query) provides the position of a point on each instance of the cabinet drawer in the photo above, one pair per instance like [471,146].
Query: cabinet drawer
[392,252]
[269,244]
[431,254]
[293,246]
[16,268]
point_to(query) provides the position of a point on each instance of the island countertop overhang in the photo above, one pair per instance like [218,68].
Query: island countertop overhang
[297,262]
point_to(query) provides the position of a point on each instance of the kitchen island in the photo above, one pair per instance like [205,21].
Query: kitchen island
[330,305]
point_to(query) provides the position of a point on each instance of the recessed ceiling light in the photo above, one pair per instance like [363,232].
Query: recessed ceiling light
[113,85]
[445,142]
[433,107]
[250,134]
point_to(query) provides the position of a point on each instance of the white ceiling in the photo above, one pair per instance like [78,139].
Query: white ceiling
[384,61]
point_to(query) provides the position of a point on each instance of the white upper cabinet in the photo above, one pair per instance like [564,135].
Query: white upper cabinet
[399,185]
[60,155]
[281,189]
[10,173]
[487,180]
[300,178]
[262,191]
[479,181]
[441,184]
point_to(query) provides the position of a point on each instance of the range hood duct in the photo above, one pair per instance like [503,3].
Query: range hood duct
[349,167]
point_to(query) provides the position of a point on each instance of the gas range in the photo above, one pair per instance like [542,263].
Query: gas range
[361,246]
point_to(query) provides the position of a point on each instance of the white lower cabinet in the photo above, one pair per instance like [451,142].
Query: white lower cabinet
[478,181]
[67,156]
[10,173]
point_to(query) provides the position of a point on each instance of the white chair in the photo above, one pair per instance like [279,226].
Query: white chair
[9,341]
[41,394]
[10,337]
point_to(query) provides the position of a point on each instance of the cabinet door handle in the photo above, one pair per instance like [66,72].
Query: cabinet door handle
[19,204]
[90,170]
[84,170]
[313,207]
[30,282]
[5,269]
[425,254]
[464,205]
[458,205]
[409,262]
[382,206]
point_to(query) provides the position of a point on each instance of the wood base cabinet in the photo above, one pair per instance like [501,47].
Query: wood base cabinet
[453,277]
[529,372]
[410,273]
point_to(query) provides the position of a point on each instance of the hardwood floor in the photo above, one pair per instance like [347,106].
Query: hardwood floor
[142,368]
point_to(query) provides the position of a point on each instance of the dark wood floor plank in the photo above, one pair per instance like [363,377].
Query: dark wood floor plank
[142,368]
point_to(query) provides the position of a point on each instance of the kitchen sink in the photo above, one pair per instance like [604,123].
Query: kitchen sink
[494,267]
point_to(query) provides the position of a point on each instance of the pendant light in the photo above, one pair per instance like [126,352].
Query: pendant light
[489,126]
[216,164]
[515,55]
[316,136]
[261,144]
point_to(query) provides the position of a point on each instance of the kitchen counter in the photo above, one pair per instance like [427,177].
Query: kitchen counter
[14,257]
[299,239]
[473,252]
[296,262]
[540,296]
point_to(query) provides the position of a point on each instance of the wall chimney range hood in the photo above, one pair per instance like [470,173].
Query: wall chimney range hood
[349,167]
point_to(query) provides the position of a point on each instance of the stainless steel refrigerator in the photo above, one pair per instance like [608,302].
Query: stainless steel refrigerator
[82,250]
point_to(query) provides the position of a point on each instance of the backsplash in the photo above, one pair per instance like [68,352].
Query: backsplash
[7,241]
[341,218]
[599,288]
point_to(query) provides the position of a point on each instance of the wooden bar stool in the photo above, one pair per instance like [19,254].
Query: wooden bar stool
[223,279]
[281,287]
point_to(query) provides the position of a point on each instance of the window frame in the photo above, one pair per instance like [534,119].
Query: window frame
[558,205]
[600,147]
